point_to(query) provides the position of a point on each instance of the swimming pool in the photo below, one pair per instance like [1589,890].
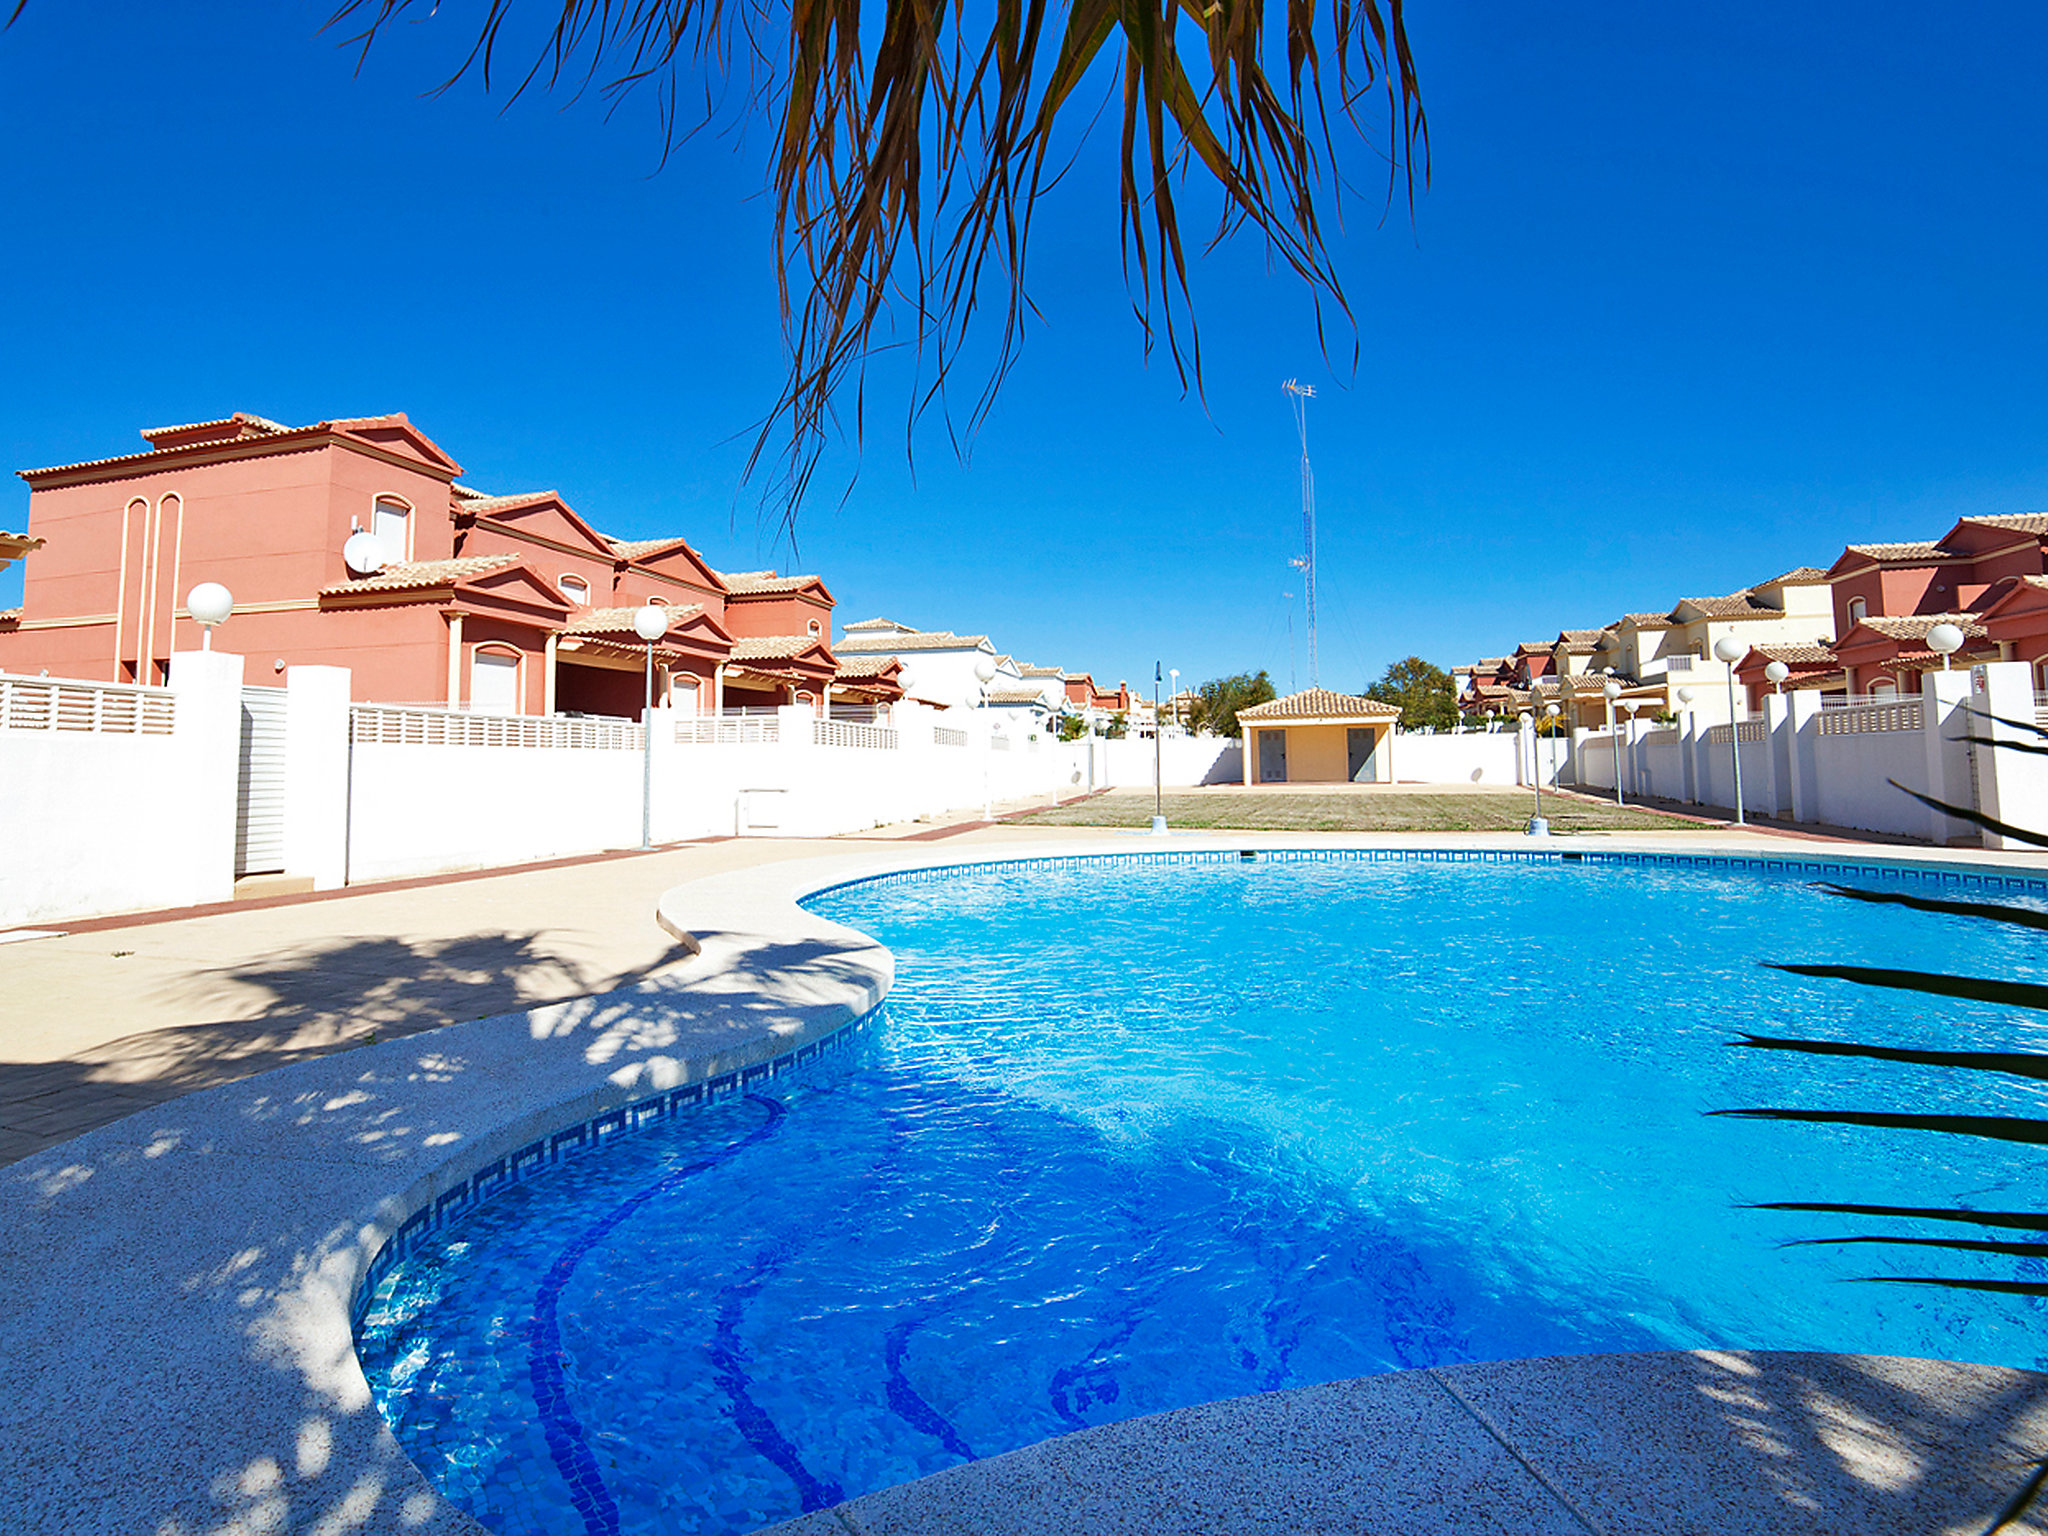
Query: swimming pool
[1135,1136]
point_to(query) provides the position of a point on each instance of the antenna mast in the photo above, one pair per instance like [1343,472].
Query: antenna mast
[1299,396]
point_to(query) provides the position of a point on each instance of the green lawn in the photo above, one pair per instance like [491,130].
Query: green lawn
[1357,810]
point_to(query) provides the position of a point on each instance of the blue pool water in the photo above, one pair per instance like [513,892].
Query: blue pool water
[1132,1137]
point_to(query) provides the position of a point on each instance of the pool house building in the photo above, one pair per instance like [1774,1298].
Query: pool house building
[1319,737]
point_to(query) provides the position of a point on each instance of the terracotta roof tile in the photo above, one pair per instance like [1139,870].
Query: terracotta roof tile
[1914,549]
[1015,696]
[477,502]
[1649,620]
[921,640]
[752,583]
[880,624]
[1318,703]
[614,621]
[854,667]
[418,575]
[1797,655]
[1798,575]
[772,647]
[633,549]
[1915,626]
[2018,522]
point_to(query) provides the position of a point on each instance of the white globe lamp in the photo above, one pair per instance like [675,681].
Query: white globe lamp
[1776,673]
[650,622]
[1945,640]
[1730,649]
[364,554]
[209,603]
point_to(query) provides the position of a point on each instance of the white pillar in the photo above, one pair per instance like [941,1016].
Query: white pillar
[1802,750]
[718,689]
[1774,793]
[1688,754]
[1945,721]
[454,659]
[2012,786]
[547,685]
[316,775]
[200,812]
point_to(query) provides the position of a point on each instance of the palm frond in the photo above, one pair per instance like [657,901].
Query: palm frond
[1976,817]
[2017,1221]
[2015,1128]
[2012,1063]
[2012,994]
[913,142]
[1990,911]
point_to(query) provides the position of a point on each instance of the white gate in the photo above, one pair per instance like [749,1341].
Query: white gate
[259,807]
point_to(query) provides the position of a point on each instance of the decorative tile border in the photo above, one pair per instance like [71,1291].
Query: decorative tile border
[537,1156]
[1966,877]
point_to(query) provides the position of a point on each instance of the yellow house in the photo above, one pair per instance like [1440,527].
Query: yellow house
[1319,737]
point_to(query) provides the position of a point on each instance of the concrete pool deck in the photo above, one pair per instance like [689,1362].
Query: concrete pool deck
[175,1292]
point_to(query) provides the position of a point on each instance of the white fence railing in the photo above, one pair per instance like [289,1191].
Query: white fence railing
[1751,729]
[844,733]
[1892,714]
[121,709]
[728,730]
[389,726]
[946,736]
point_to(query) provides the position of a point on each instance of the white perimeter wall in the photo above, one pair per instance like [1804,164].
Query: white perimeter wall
[95,821]
[1472,757]
[1185,761]
[1851,773]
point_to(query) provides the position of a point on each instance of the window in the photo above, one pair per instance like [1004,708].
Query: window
[494,683]
[576,589]
[813,629]
[1883,685]
[2041,675]
[391,522]
[1857,609]
[659,602]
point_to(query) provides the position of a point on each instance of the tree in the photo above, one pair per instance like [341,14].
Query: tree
[917,135]
[1422,690]
[1218,701]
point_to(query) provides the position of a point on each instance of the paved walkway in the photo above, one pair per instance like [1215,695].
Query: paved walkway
[127,1012]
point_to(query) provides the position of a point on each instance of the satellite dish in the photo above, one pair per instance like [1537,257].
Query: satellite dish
[364,554]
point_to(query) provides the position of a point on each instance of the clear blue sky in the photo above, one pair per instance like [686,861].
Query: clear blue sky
[1698,293]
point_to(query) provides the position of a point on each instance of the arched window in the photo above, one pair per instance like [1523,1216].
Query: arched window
[1857,609]
[1882,685]
[391,522]
[2041,675]
[659,602]
[576,589]
[813,628]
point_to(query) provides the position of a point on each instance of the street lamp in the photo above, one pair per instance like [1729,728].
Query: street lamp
[209,603]
[1945,640]
[1158,746]
[1551,711]
[1173,698]
[1537,827]
[650,623]
[1730,650]
[1775,674]
[984,672]
[1611,690]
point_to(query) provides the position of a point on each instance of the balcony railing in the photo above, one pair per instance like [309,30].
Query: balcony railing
[116,709]
[946,736]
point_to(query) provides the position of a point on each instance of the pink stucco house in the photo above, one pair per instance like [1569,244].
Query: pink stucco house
[509,603]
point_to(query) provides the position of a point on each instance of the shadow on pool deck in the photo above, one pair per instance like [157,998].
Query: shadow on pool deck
[313,1000]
